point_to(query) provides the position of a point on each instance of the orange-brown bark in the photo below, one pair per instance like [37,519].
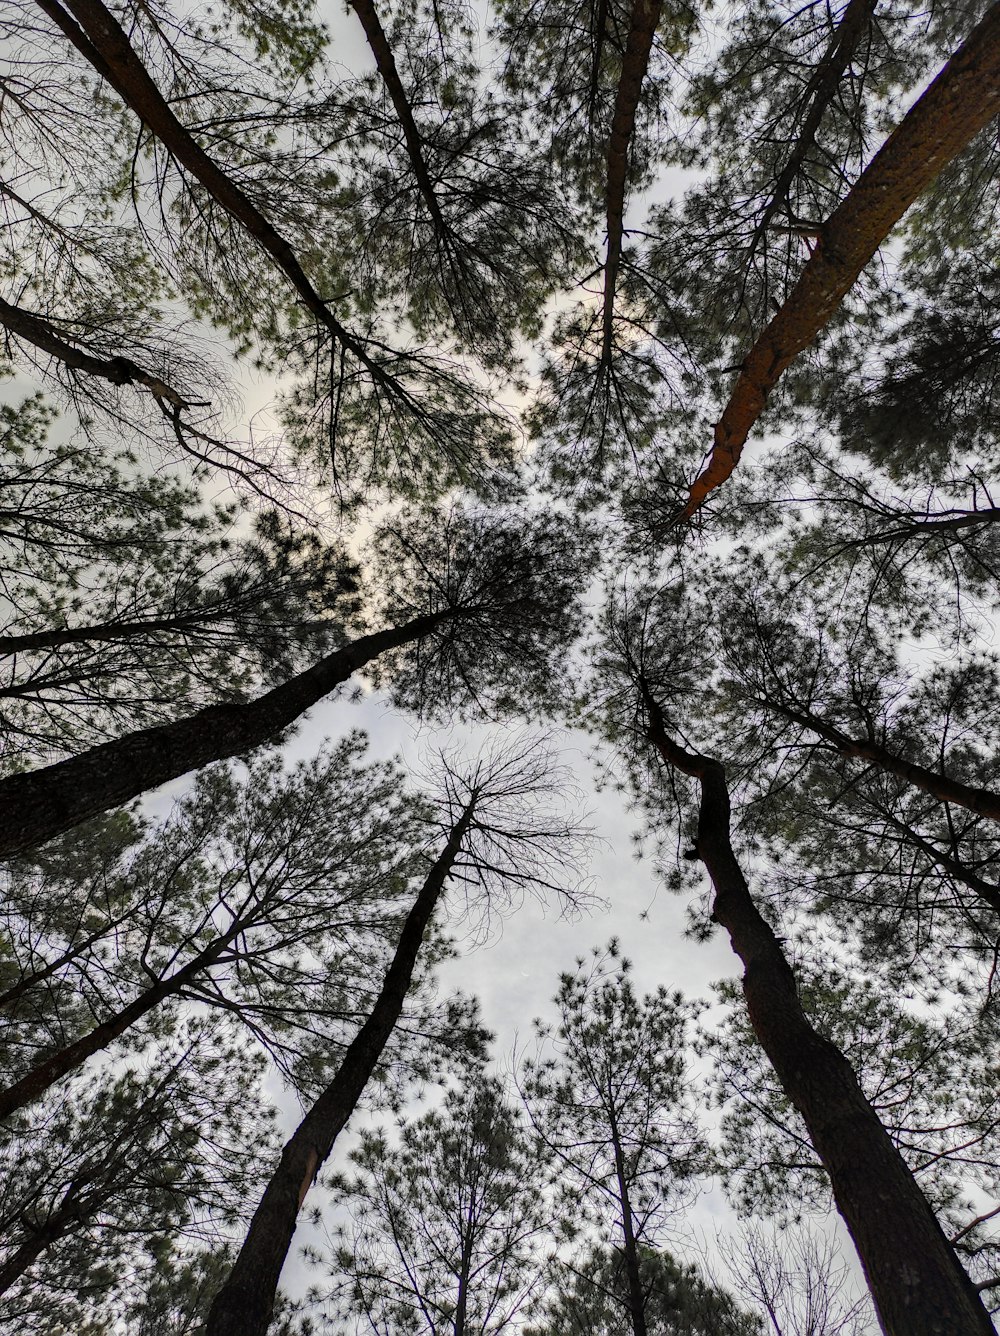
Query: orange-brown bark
[960,102]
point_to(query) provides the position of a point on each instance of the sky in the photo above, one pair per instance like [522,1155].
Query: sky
[515,970]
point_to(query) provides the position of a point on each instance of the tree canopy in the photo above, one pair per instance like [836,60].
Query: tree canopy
[630,369]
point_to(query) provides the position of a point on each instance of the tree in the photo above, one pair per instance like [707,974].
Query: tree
[927,1067]
[126,599]
[494,842]
[866,1172]
[271,901]
[612,1106]
[447,1221]
[679,1302]
[97,1183]
[512,581]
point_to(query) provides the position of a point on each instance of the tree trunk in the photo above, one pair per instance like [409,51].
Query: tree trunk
[99,37]
[916,1280]
[40,804]
[961,101]
[630,1249]
[645,17]
[386,63]
[53,1068]
[821,89]
[984,802]
[243,1305]
[105,632]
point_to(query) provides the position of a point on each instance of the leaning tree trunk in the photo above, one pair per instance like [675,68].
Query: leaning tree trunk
[919,1286]
[99,37]
[243,1305]
[961,101]
[40,804]
[53,1068]
[984,802]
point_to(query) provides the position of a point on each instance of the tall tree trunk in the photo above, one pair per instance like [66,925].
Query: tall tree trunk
[961,101]
[40,804]
[630,1249]
[386,64]
[916,1280]
[45,1074]
[243,1305]
[99,37]
[645,17]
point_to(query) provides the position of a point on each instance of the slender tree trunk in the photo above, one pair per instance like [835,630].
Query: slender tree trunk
[386,64]
[961,101]
[462,1303]
[99,37]
[636,1297]
[103,631]
[819,93]
[645,17]
[984,802]
[45,1074]
[34,329]
[243,1305]
[43,803]
[916,1280]
[32,980]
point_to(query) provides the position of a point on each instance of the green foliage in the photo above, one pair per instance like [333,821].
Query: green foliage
[611,1097]
[679,1302]
[927,1064]
[447,1220]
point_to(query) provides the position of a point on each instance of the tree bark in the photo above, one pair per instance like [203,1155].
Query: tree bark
[243,1305]
[645,17]
[960,102]
[34,329]
[40,804]
[98,36]
[918,1284]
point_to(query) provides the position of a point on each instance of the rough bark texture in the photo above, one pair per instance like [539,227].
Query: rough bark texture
[41,334]
[918,1284]
[961,101]
[98,36]
[645,17]
[43,803]
[243,1305]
